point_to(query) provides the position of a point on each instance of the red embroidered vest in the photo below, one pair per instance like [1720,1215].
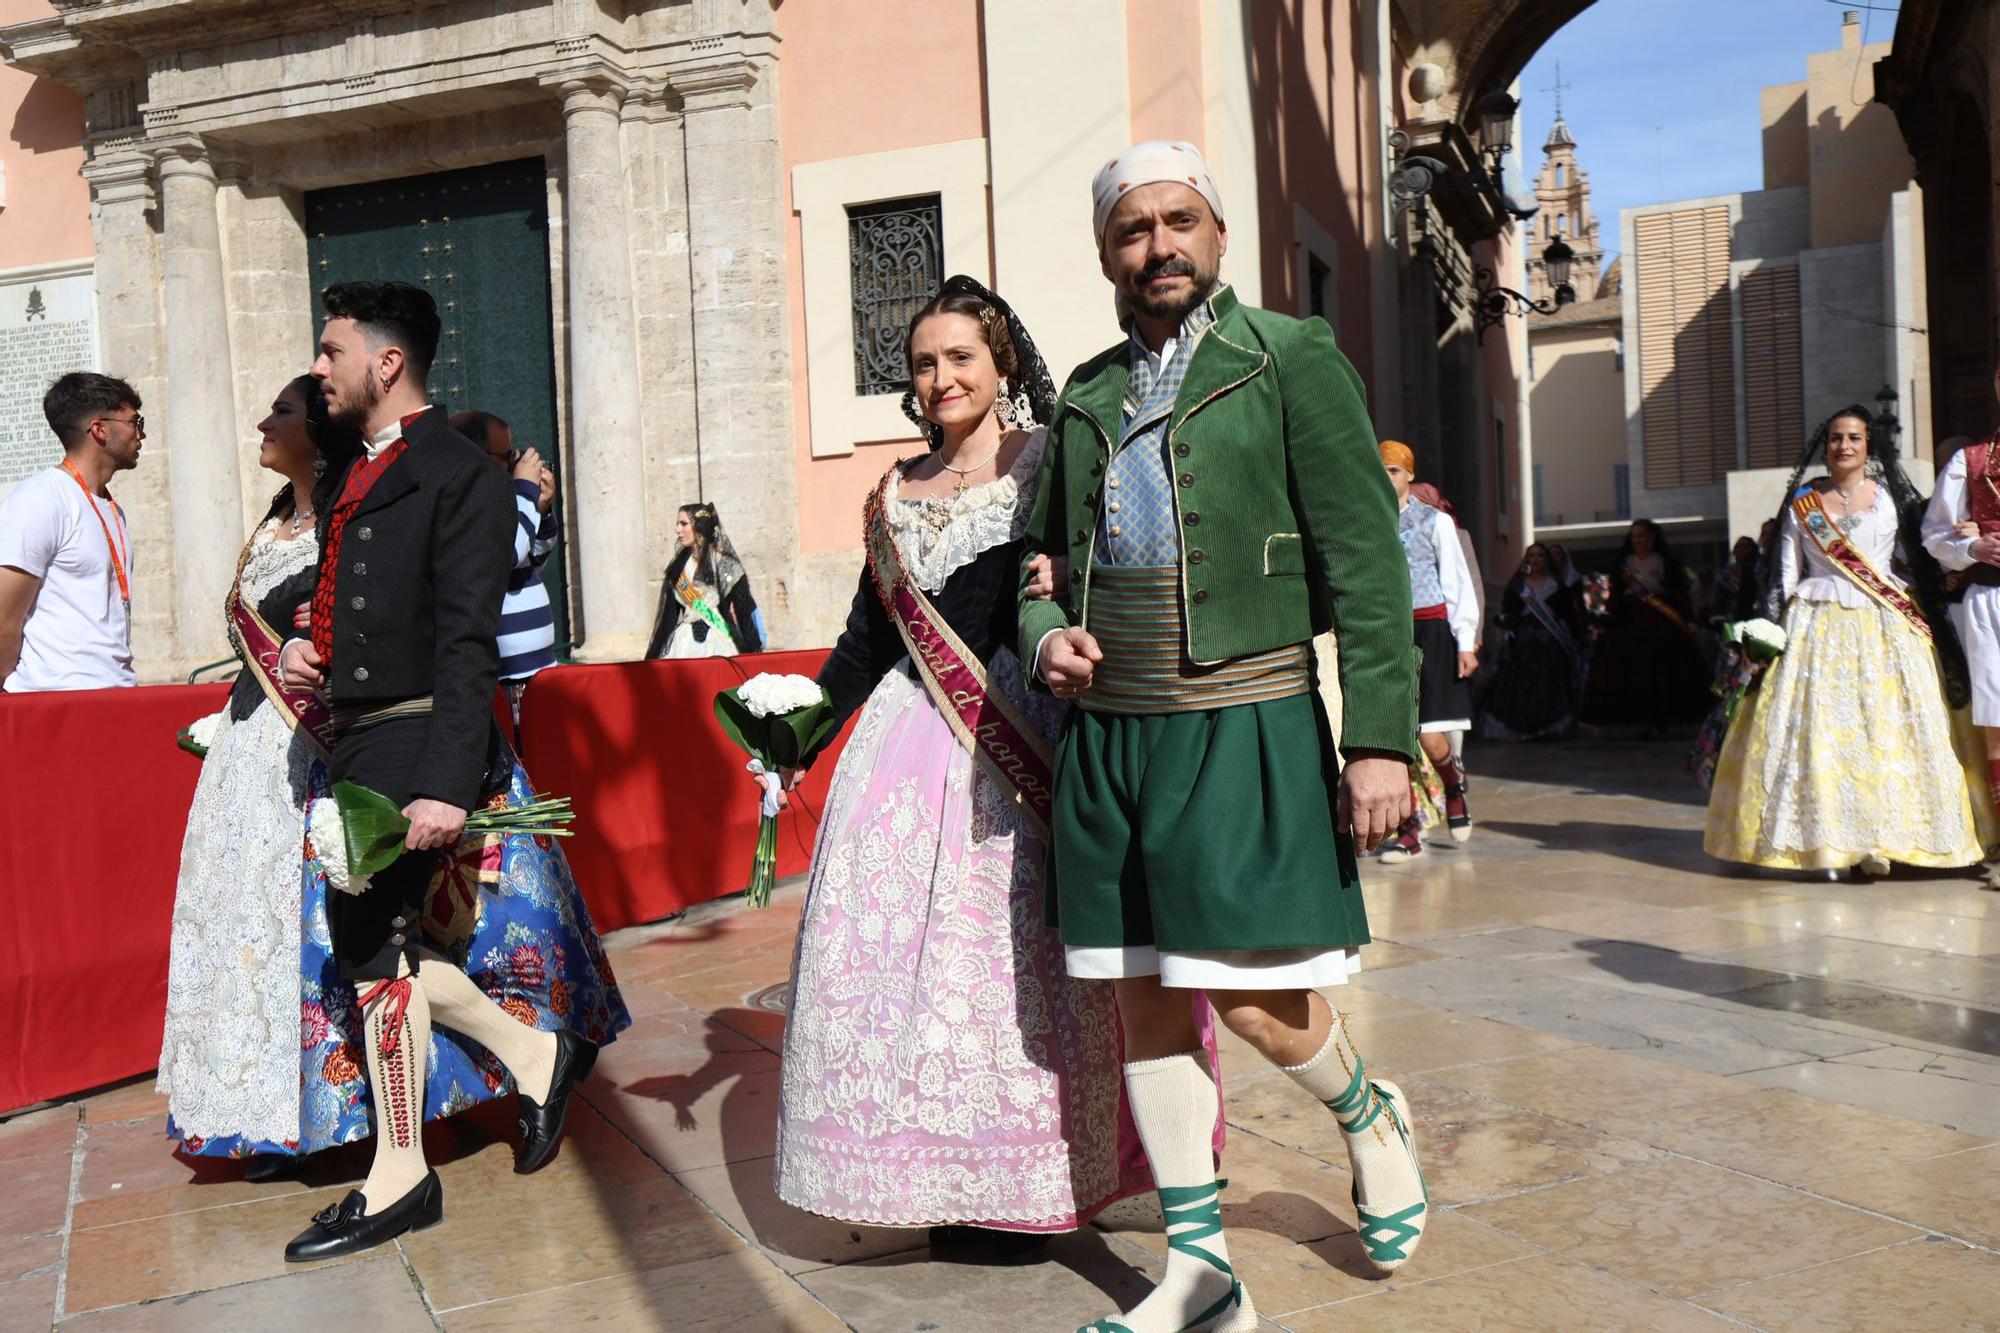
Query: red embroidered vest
[1982,484]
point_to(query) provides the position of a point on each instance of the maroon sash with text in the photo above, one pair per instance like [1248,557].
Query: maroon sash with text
[259,646]
[1007,747]
[1832,542]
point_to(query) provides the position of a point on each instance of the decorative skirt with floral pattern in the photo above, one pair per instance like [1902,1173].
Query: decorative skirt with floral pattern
[508,912]
[1848,750]
[940,1065]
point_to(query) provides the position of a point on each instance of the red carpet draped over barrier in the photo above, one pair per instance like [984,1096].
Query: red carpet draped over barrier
[94,798]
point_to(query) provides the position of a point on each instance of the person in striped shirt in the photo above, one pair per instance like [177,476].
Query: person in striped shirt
[527,623]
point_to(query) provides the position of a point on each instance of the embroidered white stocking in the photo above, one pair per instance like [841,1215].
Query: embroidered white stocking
[459,1004]
[397,1030]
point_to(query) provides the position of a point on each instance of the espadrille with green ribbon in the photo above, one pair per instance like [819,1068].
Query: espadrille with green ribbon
[1391,1201]
[1194,1214]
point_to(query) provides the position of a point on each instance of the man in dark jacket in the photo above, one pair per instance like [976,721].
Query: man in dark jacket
[415,538]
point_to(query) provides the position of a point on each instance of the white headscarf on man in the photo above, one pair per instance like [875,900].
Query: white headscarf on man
[1149,163]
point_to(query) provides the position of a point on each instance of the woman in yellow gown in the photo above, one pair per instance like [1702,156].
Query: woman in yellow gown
[1848,754]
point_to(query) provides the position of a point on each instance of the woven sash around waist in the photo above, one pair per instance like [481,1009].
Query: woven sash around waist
[1135,615]
[350,717]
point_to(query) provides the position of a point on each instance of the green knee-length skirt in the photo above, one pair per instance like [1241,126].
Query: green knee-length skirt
[1202,831]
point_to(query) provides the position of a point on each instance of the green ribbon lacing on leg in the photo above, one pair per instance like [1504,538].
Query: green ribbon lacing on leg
[1357,1107]
[1387,1236]
[1197,1211]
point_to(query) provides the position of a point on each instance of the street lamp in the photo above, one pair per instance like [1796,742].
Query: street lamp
[1495,302]
[1496,122]
[1556,261]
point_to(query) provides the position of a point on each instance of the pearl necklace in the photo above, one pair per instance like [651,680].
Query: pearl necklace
[963,472]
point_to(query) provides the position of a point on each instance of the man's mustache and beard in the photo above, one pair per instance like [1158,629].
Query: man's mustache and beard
[355,409]
[1170,307]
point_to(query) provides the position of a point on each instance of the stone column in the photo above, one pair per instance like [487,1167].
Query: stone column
[202,473]
[606,425]
[127,277]
[742,322]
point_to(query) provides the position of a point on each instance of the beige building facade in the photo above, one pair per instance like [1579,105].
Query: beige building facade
[670,286]
[1737,323]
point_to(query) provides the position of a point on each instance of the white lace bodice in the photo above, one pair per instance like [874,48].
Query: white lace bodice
[271,561]
[939,535]
[1810,575]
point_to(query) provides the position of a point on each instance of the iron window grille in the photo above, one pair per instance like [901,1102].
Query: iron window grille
[896,255]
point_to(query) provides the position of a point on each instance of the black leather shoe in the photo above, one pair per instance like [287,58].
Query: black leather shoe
[542,1122]
[263,1167]
[342,1229]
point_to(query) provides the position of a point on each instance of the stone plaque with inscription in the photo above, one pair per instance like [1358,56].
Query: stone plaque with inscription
[48,326]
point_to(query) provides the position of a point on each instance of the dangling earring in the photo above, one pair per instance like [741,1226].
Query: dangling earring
[319,463]
[1003,406]
[1872,468]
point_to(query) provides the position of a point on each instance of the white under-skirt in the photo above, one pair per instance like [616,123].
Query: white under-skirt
[1218,969]
[1977,620]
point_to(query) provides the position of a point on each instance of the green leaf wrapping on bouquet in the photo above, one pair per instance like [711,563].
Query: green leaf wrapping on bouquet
[780,741]
[374,826]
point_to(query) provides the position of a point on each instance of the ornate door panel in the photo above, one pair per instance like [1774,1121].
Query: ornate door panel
[477,241]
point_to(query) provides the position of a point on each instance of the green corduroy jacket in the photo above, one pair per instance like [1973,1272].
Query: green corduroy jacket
[1287,520]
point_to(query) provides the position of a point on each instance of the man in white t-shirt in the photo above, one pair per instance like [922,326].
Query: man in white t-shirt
[65,551]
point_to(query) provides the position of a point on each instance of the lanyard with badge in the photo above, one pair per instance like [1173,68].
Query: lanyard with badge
[110,544]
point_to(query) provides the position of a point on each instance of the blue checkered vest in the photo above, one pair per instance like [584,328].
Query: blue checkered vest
[1417,526]
[1137,527]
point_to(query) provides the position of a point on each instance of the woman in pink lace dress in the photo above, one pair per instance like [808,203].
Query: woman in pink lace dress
[940,1068]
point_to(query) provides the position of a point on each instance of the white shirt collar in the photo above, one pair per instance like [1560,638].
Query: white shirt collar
[386,436]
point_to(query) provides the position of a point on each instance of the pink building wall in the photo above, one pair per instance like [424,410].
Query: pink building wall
[1315,137]
[47,217]
[856,79]
[1163,62]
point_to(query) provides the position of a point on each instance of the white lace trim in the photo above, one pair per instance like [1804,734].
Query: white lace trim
[938,536]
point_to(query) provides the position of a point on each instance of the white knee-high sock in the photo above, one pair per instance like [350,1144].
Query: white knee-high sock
[1173,1103]
[1374,1122]
[457,1003]
[396,1028]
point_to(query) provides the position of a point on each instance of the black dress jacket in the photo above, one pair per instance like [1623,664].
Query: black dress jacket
[423,569]
[978,602]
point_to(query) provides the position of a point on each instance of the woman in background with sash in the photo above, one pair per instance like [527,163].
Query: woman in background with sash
[1649,670]
[1533,694]
[262,1056]
[940,1068]
[705,605]
[1847,754]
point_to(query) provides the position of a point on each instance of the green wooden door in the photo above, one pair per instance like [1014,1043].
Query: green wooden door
[478,241]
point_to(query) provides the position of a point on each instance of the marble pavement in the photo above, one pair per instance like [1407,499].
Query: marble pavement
[1650,1095]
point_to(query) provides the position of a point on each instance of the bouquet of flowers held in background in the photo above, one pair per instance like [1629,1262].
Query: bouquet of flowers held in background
[1750,647]
[778,720]
[356,833]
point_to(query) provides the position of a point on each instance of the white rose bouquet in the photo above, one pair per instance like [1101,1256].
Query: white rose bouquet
[1760,640]
[778,720]
[357,832]
[197,736]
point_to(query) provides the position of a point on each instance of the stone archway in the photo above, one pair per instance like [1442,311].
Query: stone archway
[1481,44]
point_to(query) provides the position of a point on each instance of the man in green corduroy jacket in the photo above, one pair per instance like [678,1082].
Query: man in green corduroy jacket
[1212,487]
